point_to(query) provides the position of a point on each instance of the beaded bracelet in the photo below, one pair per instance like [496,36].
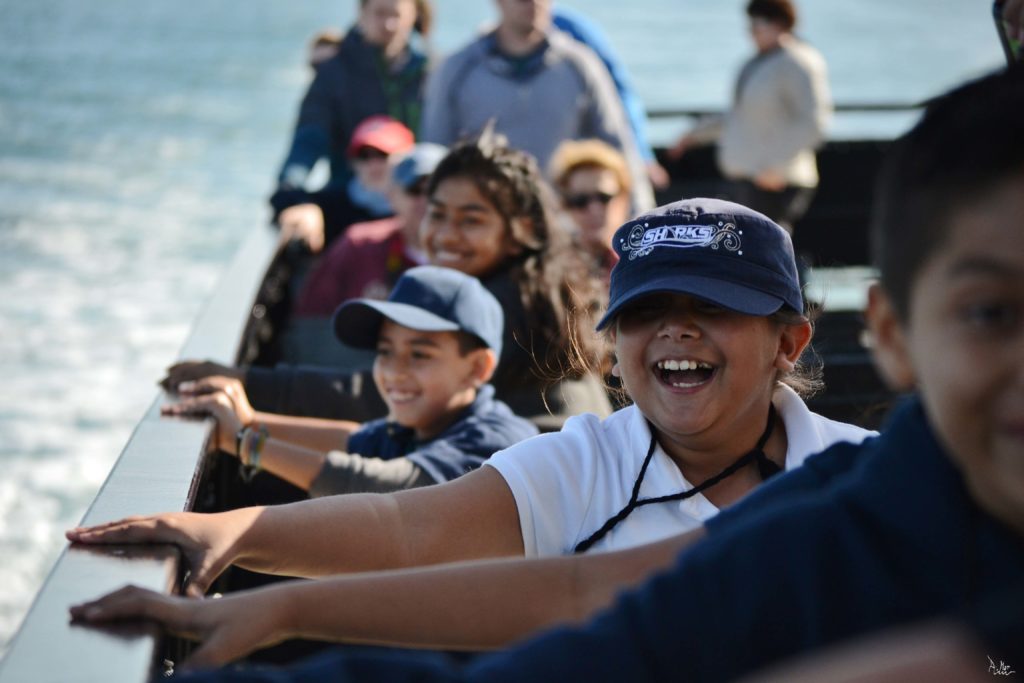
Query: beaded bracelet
[239,439]
[251,442]
[257,439]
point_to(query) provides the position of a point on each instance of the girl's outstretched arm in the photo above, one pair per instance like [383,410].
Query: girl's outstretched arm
[472,517]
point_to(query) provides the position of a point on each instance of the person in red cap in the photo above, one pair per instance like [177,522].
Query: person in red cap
[318,221]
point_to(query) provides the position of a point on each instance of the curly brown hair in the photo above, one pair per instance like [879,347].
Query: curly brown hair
[556,288]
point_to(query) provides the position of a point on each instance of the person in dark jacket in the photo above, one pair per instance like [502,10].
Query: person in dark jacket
[377,70]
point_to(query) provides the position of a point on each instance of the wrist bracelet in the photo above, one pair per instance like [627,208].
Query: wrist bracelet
[255,439]
[239,439]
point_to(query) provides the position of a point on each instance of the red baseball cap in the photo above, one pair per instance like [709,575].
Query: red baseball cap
[383,133]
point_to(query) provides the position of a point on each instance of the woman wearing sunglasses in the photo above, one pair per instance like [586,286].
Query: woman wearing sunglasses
[594,182]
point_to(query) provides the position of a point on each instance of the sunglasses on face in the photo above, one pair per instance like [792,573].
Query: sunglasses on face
[417,189]
[369,153]
[585,199]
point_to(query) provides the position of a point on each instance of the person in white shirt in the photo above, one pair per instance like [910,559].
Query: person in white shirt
[566,483]
[779,115]
[706,316]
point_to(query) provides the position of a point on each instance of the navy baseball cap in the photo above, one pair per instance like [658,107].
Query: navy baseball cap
[712,249]
[418,163]
[426,298]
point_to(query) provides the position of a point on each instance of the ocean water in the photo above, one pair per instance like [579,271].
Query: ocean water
[139,139]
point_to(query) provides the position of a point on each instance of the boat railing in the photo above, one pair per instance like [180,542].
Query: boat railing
[839,107]
[157,471]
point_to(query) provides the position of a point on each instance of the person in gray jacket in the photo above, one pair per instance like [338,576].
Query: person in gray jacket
[781,107]
[539,85]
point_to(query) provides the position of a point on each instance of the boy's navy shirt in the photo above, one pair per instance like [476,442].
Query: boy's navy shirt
[484,427]
[893,539]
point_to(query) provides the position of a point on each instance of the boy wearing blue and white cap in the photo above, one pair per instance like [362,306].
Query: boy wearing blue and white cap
[437,340]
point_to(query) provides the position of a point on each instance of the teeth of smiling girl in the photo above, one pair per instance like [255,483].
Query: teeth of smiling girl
[683,365]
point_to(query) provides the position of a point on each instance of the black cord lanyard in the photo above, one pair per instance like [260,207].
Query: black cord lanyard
[765,467]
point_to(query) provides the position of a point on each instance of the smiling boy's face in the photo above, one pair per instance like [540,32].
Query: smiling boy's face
[424,377]
[963,346]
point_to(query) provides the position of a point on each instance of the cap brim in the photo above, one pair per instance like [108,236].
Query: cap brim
[388,143]
[357,323]
[725,294]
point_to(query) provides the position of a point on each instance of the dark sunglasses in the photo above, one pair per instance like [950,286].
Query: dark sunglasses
[368,153]
[584,199]
[417,189]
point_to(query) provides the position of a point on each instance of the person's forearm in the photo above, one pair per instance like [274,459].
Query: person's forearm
[322,537]
[473,605]
[351,473]
[309,432]
[296,465]
[468,518]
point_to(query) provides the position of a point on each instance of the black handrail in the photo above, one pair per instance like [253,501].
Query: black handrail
[842,107]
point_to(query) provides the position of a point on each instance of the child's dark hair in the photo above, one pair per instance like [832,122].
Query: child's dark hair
[965,143]
[468,343]
[558,292]
[781,12]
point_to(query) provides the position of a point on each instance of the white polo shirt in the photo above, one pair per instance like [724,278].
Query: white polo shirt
[567,484]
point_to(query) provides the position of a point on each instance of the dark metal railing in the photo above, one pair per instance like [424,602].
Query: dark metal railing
[158,470]
[839,107]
